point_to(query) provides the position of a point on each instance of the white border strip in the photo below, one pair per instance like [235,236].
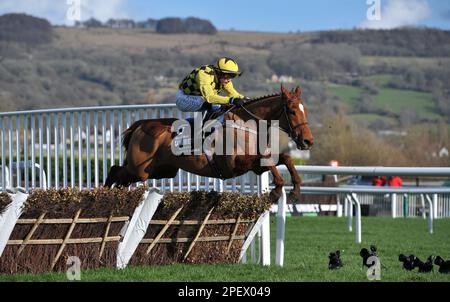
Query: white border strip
[9,218]
[135,230]
[262,219]
[281,225]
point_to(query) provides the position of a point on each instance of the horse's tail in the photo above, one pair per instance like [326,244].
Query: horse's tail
[126,135]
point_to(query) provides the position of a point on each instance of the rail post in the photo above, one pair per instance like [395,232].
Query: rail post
[349,213]
[406,206]
[394,205]
[265,240]
[430,214]
[281,224]
[435,206]
[358,218]
[265,227]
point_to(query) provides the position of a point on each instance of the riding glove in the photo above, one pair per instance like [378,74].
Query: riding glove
[237,102]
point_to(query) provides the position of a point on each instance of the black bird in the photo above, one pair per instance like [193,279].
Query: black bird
[335,260]
[424,267]
[444,266]
[373,249]
[365,254]
[408,261]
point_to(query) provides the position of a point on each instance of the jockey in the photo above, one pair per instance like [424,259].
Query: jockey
[199,91]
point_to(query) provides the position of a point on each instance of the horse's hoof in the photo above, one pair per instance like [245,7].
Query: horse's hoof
[274,196]
[293,197]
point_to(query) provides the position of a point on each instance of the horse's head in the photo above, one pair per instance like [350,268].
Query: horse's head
[296,117]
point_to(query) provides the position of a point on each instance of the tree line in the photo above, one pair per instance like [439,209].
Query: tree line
[162,26]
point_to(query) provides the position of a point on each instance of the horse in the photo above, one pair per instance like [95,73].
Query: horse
[149,154]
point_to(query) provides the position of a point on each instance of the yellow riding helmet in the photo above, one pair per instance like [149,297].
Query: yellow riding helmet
[229,66]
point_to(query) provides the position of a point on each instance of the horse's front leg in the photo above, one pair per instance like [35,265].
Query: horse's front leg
[278,181]
[294,195]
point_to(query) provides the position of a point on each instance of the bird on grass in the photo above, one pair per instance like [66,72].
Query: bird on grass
[365,254]
[408,261]
[335,260]
[444,266]
[424,267]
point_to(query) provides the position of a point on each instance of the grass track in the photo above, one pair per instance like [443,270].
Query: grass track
[308,242]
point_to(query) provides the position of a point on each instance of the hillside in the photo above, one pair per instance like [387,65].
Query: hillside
[25,29]
[396,86]
[358,84]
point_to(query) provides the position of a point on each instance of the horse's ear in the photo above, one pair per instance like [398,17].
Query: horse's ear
[298,91]
[284,90]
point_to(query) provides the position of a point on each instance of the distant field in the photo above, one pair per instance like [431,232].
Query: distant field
[133,40]
[403,61]
[380,80]
[308,242]
[348,94]
[393,100]
[105,66]
[397,101]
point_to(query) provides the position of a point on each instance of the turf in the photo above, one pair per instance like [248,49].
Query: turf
[393,100]
[403,61]
[308,242]
[380,80]
[348,94]
[397,100]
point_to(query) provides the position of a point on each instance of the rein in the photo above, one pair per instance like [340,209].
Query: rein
[291,129]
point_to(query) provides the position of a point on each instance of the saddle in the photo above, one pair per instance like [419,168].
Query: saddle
[187,142]
[210,114]
[184,140]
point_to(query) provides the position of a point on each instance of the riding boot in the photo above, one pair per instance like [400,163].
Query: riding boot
[209,110]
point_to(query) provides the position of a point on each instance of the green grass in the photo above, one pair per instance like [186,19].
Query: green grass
[380,80]
[348,94]
[403,61]
[393,100]
[396,100]
[308,242]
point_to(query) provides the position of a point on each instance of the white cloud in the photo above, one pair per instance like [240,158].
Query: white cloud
[397,13]
[56,11]
[104,9]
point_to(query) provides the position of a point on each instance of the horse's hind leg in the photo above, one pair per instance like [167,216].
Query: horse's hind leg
[125,178]
[120,176]
[112,176]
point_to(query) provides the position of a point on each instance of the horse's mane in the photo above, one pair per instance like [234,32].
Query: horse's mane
[264,97]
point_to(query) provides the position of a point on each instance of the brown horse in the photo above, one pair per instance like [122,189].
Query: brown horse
[149,154]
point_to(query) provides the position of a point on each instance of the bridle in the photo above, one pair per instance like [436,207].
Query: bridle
[289,131]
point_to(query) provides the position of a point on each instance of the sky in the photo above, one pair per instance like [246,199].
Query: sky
[250,15]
